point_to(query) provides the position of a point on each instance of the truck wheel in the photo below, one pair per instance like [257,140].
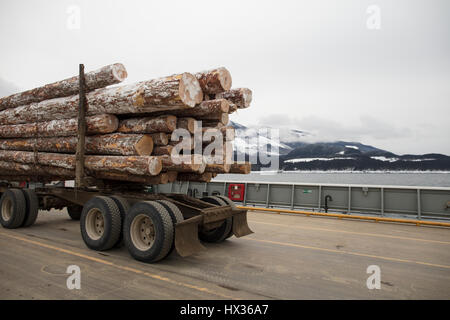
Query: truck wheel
[74,211]
[31,207]
[218,234]
[100,223]
[12,207]
[124,207]
[233,206]
[175,215]
[148,231]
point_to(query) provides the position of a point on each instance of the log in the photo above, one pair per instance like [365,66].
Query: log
[161,178]
[218,168]
[187,145]
[241,97]
[163,150]
[213,123]
[41,173]
[215,165]
[203,109]
[233,108]
[37,170]
[165,94]
[100,78]
[228,132]
[194,163]
[220,116]
[190,124]
[214,81]
[103,123]
[172,176]
[136,165]
[166,124]
[204,177]
[241,167]
[160,138]
[110,144]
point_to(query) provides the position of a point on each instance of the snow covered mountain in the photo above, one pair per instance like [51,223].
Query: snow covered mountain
[297,153]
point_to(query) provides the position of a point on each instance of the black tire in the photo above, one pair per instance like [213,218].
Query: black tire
[162,227]
[74,211]
[12,208]
[176,215]
[124,207]
[31,207]
[231,203]
[97,235]
[218,234]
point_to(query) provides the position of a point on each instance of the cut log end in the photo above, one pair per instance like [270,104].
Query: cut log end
[154,165]
[144,147]
[119,72]
[189,90]
[214,81]
[224,78]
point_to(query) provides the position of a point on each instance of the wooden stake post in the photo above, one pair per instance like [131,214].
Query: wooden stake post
[79,169]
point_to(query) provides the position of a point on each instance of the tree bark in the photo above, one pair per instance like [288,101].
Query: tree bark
[160,138]
[135,165]
[241,167]
[233,108]
[214,81]
[227,131]
[166,124]
[103,123]
[203,109]
[31,169]
[100,78]
[218,168]
[162,150]
[161,178]
[194,163]
[204,177]
[213,123]
[241,97]
[220,116]
[109,144]
[165,94]
[190,124]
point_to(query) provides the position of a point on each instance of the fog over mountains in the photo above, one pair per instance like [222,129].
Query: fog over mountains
[299,150]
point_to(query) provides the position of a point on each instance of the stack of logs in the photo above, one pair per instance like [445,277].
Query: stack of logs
[130,129]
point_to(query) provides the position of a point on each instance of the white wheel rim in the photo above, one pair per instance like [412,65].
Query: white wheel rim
[142,232]
[7,208]
[95,224]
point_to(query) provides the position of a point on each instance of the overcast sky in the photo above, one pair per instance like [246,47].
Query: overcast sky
[312,65]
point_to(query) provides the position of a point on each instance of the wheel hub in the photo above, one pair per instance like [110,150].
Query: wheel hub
[7,208]
[95,224]
[142,232]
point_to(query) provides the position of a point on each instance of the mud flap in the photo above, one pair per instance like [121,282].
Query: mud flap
[186,237]
[240,225]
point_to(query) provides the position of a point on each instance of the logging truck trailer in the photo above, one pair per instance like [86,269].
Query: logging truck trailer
[148,224]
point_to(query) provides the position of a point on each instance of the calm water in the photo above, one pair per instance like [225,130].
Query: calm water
[372,178]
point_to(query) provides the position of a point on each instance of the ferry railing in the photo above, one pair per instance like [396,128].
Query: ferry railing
[413,202]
